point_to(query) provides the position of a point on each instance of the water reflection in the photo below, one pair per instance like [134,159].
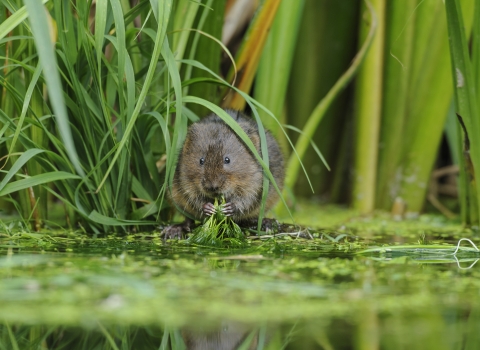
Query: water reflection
[444,328]
[313,295]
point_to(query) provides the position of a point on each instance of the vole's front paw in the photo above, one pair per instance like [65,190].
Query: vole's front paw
[208,209]
[228,209]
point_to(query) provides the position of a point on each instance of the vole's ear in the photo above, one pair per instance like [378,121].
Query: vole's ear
[193,132]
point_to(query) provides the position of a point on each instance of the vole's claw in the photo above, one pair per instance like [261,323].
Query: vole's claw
[208,209]
[228,209]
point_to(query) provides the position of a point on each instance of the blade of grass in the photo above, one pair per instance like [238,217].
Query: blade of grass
[14,20]
[28,96]
[100,24]
[41,34]
[24,158]
[95,216]
[464,87]
[315,118]
[36,180]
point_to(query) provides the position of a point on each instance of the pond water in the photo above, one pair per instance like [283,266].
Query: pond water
[67,291]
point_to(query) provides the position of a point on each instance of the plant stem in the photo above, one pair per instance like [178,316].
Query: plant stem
[368,105]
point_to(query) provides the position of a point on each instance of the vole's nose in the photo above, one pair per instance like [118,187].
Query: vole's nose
[212,186]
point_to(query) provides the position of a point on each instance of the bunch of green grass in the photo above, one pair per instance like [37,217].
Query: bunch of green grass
[94,97]
[219,231]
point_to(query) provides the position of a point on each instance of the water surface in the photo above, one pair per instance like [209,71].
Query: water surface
[78,292]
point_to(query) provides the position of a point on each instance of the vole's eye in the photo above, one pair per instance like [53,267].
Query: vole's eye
[202,161]
[226,160]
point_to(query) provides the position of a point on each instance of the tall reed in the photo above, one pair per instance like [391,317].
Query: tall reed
[465,73]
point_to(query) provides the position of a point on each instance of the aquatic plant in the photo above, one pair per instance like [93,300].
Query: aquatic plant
[219,230]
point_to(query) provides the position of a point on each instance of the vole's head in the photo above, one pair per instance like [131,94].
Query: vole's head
[216,161]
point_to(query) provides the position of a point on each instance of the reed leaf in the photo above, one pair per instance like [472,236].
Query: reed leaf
[276,60]
[315,118]
[248,57]
[429,100]
[464,92]
[324,50]
[35,181]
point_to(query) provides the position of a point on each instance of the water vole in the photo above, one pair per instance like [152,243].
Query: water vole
[214,162]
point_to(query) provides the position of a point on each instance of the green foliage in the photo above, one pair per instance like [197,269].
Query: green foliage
[96,98]
[466,84]
[218,231]
[93,105]
[394,123]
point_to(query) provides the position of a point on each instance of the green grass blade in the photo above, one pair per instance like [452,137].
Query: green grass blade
[121,48]
[41,34]
[95,216]
[36,180]
[100,23]
[464,84]
[180,127]
[11,336]
[25,157]
[14,20]
[26,102]
[315,118]
[254,104]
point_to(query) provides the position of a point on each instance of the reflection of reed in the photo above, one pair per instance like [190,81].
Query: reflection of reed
[229,335]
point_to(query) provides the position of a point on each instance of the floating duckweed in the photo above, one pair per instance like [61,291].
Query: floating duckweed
[219,230]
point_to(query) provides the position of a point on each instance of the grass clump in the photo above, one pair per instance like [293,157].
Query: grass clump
[219,230]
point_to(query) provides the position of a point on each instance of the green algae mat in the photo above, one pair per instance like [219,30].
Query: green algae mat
[352,282]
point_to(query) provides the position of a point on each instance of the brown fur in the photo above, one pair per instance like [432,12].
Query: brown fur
[240,181]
